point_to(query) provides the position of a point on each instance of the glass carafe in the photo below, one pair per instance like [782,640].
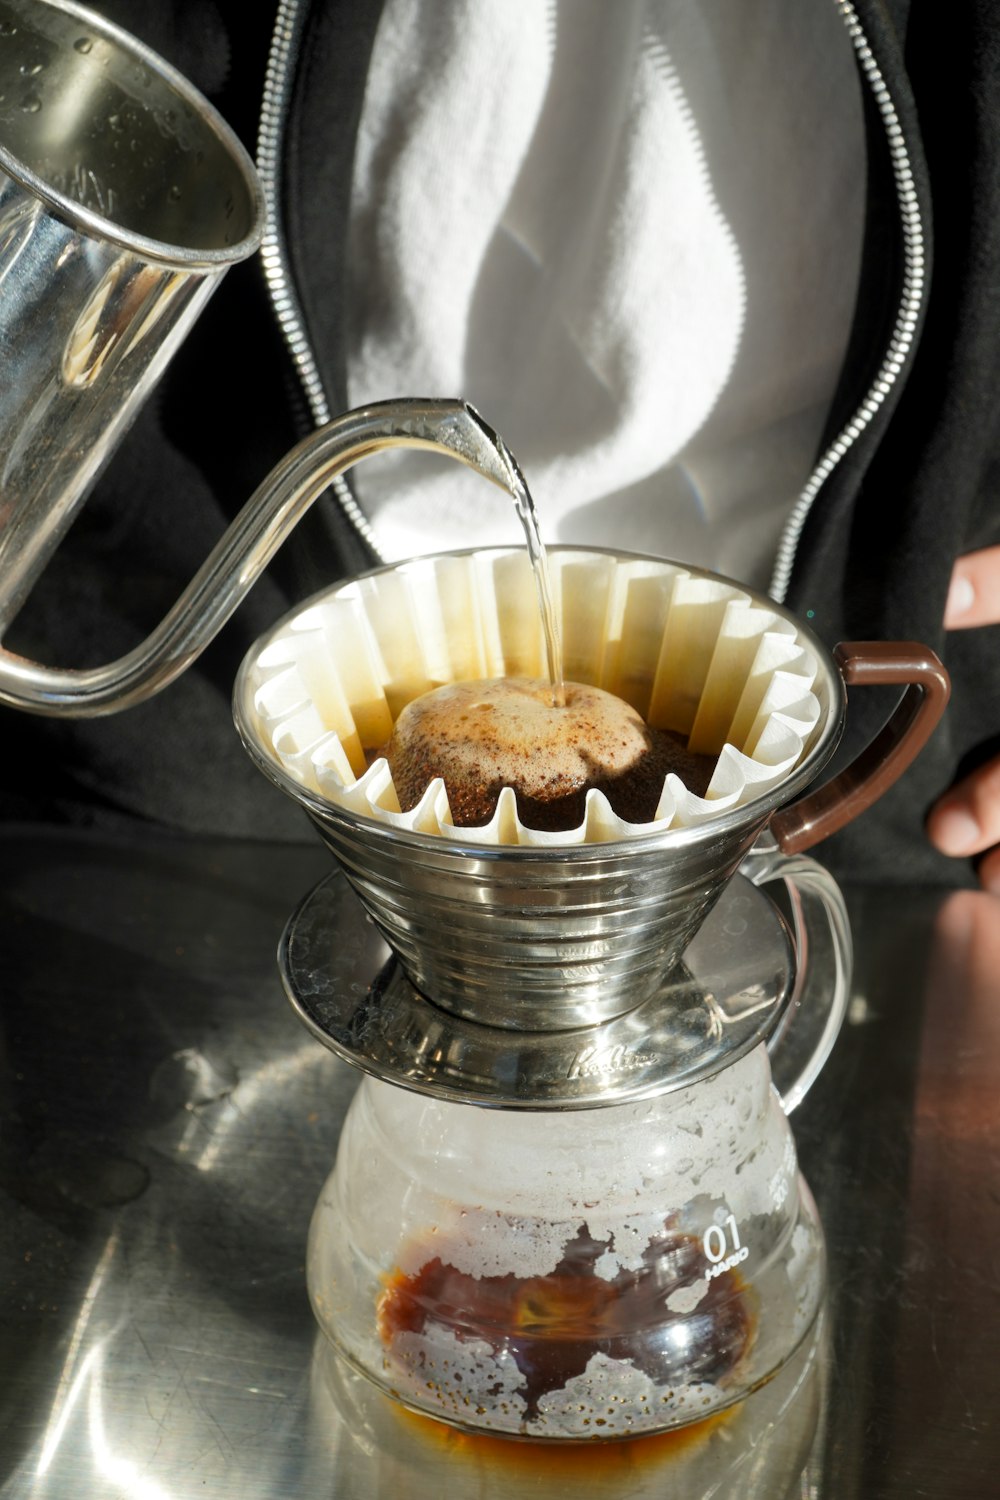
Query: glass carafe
[569,1274]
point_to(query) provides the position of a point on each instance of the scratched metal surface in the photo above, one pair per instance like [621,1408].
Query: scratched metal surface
[165,1127]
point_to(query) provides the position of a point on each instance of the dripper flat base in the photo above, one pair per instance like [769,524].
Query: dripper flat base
[726,997]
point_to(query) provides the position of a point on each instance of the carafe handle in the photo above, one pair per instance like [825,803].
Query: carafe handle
[811,1018]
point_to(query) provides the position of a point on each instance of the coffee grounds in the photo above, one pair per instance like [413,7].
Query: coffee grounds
[480,737]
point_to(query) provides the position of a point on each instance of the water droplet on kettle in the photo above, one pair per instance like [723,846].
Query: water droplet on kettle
[31,104]
[31,70]
[83,44]
[174,193]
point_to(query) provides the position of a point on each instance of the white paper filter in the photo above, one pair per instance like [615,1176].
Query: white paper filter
[691,653]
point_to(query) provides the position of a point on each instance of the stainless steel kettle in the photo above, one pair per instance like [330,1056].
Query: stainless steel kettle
[124,198]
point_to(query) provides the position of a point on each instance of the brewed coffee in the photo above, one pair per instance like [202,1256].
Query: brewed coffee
[552,1326]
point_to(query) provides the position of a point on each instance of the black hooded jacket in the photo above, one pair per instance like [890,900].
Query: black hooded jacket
[906,478]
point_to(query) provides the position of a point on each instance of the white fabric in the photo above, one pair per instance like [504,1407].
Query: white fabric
[629,233]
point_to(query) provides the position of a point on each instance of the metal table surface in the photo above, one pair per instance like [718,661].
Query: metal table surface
[167,1125]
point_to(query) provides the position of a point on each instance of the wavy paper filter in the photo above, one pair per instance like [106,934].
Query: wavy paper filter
[691,653]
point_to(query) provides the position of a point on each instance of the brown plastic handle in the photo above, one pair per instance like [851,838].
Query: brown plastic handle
[910,726]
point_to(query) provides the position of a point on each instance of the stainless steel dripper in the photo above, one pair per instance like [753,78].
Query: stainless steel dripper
[563,934]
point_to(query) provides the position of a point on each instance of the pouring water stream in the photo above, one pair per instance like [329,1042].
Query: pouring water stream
[537,556]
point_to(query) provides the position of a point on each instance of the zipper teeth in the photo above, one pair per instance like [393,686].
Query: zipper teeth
[274,253]
[904,329]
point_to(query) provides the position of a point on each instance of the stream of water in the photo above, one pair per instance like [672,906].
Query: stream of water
[528,516]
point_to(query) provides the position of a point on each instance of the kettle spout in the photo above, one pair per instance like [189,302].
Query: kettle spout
[244,551]
[473,442]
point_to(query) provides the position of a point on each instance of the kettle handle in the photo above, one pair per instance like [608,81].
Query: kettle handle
[839,801]
[811,1018]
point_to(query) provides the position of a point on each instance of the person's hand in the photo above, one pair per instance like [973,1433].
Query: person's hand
[966,820]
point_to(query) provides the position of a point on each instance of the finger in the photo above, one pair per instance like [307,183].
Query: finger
[966,820]
[974,594]
[989,872]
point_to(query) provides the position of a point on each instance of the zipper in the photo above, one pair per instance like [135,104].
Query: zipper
[278,78]
[907,315]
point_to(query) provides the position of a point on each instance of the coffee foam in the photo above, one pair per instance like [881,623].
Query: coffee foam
[690,652]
